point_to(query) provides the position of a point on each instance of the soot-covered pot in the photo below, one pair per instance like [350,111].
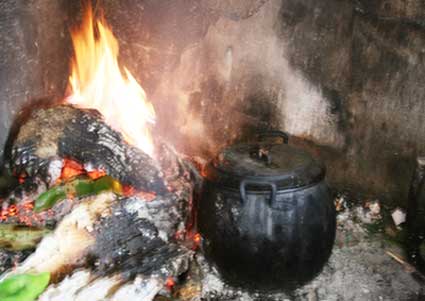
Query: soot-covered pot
[266,215]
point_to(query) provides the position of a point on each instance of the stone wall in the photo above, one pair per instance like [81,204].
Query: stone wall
[344,76]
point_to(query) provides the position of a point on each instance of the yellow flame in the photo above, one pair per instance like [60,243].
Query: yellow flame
[97,82]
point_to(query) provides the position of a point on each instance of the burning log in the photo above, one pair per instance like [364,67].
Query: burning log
[114,239]
[107,234]
[126,243]
[63,132]
[120,215]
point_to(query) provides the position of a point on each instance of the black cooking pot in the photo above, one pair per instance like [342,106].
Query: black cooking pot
[266,215]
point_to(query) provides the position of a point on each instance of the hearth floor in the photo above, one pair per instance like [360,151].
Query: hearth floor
[367,263]
[362,265]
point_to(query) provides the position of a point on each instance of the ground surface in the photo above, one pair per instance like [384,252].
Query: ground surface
[360,268]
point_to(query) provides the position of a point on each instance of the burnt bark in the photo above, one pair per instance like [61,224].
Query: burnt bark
[82,135]
[131,245]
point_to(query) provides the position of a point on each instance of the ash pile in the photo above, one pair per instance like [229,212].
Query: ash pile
[90,216]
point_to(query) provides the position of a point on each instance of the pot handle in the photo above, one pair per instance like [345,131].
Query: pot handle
[274,134]
[243,184]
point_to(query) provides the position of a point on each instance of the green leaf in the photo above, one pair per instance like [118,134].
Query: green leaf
[23,287]
[49,198]
[79,187]
[82,187]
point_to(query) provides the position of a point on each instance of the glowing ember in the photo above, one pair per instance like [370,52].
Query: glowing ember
[70,169]
[12,210]
[97,82]
[21,213]
[197,238]
[96,174]
[170,283]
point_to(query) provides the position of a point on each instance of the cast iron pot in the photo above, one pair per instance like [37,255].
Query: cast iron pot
[266,215]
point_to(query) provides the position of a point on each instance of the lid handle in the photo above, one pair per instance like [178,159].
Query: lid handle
[244,183]
[261,151]
[273,134]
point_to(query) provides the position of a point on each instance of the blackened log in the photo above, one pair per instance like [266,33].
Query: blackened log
[131,245]
[82,135]
[103,235]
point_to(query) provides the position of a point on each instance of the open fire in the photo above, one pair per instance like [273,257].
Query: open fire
[123,213]
[92,186]
[97,207]
[98,82]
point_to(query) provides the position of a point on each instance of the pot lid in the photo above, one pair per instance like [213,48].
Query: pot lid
[283,165]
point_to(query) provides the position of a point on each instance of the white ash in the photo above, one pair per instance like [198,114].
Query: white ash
[165,212]
[97,289]
[139,289]
[368,214]
[67,288]
[215,288]
[54,170]
[364,272]
[83,286]
[70,240]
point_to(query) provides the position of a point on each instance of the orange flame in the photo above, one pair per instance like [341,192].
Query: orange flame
[97,82]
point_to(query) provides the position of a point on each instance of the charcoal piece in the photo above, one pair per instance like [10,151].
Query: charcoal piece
[7,183]
[82,135]
[132,246]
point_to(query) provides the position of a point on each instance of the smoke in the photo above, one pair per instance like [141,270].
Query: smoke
[237,79]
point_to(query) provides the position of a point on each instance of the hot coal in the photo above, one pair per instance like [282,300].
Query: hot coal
[82,135]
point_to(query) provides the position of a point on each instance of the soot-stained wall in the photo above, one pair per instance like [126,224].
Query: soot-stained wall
[34,45]
[345,76]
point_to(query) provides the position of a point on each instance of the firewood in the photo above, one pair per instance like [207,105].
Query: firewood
[64,131]
[109,235]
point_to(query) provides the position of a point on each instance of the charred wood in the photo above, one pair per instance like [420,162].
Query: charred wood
[131,246]
[102,234]
[82,135]
[106,246]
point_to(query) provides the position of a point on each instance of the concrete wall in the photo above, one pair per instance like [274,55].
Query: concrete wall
[346,76]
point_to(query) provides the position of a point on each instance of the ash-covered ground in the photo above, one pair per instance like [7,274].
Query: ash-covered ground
[361,266]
